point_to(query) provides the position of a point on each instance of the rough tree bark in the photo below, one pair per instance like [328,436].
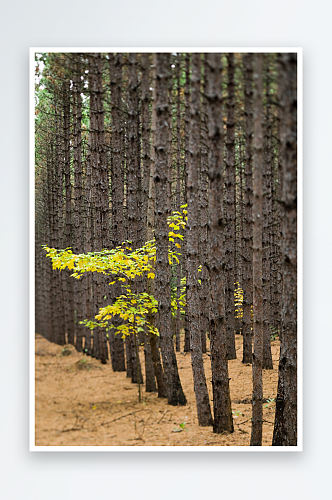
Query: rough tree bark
[79,299]
[248,225]
[178,196]
[203,253]
[285,427]
[117,183]
[230,211]
[223,421]
[267,209]
[200,387]
[257,356]
[150,381]
[69,291]
[99,190]
[133,184]
[158,369]
[175,392]
[186,159]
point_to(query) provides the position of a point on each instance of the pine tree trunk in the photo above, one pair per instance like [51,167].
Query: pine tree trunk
[158,369]
[69,298]
[175,392]
[223,421]
[150,381]
[248,225]
[267,201]
[204,287]
[200,387]
[59,226]
[79,302]
[230,212]
[100,192]
[257,356]
[178,199]
[133,183]
[117,183]
[186,157]
[285,427]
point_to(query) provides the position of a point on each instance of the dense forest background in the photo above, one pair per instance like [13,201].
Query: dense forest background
[123,141]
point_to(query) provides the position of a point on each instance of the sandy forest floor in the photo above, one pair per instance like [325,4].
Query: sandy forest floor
[80,402]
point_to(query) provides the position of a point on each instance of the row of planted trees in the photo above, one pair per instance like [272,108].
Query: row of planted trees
[170,180]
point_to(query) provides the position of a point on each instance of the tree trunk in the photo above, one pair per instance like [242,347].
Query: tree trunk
[248,225]
[79,299]
[267,209]
[150,382]
[158,369]
[204,288]
[69,297]
[201,392]
[175,392]
[178,199]
[285,427]
[117,183]
[100,192]
[230,212]
[133,183]
[223,421]
[257,356]
[186,160]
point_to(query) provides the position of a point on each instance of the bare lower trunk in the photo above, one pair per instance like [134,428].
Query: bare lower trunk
[204,288]
[230,212]
[248,223]
[201,392]
[257,357]
[285,428]
[186,157]
[223,421]
[175,392]
[158,369]
[267,209]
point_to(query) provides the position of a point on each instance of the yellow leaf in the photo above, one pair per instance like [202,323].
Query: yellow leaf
[177,245]
[151,275]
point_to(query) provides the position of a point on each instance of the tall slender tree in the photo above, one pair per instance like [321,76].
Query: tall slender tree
[201,392]
[100,191]
[178,195]
[223,421]
[175,392]
[257,211]
[79,299]
[134,184]
[248,225]
[230,210]
[186,160]
[203,252]
[117,185]
[285,428]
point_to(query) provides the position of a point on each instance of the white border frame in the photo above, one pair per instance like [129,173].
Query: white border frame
[32,446]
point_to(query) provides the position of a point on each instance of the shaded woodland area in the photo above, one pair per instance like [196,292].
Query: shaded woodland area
[185,164]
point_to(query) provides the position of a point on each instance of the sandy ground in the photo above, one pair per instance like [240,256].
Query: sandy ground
[80,402]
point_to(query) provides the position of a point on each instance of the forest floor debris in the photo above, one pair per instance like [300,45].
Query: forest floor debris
[95,406]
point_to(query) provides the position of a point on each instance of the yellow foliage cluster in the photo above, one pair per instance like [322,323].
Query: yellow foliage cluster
[238,300]
[125,265]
